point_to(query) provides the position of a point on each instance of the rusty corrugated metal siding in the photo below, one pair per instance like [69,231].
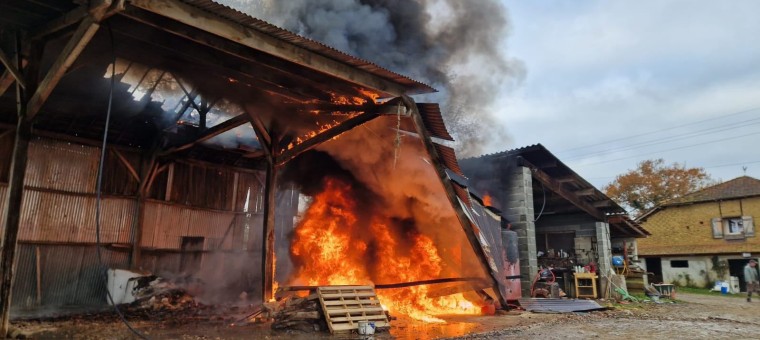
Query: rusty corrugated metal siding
[70,275]
[165,224]
[62,166]
[25,278]
[57,217]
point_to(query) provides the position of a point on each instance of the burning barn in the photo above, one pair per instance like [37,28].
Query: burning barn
[561,220]
[237,153]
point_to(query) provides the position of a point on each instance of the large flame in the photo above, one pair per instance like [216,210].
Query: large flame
[332,245]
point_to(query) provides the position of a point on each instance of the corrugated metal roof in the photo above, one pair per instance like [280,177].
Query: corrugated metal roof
[433,120]
[538,155]
[309,44]
[559,305]
[449,158]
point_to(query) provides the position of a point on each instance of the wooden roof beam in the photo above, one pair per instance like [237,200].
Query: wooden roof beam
[585,192]
[11,69]
[324,136]
[601,204]
[86,30]
[215,24]
[212,132]
[555,186]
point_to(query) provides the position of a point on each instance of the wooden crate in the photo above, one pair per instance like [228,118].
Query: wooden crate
[345,306]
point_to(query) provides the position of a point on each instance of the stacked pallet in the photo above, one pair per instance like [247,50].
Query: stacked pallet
[337,308]
[345,306]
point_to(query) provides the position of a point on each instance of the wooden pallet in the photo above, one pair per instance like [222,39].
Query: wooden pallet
[345,306]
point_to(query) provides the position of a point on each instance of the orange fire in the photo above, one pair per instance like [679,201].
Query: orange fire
[487,200]
[332,245]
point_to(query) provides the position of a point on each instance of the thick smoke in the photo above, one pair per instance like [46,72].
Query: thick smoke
[455,46]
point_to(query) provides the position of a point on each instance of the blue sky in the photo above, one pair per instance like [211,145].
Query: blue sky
[676,75]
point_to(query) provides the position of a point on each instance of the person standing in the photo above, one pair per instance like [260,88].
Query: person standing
[751,278]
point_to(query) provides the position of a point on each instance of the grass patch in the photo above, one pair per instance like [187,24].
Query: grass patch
[704,291]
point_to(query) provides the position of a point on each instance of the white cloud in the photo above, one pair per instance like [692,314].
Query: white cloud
[602,70]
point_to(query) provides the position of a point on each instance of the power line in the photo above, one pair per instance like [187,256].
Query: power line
[671,149]
[732,164]
[660,130]
[683,136]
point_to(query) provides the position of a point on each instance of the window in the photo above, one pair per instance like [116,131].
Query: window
[733,228]
[679,264]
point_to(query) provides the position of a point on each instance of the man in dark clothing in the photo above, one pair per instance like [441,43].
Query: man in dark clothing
[751,278]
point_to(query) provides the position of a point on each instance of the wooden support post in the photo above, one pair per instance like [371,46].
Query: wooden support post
[268,141]
[169,182]
[14,198]
[268,249]
[235,183]
[12,211]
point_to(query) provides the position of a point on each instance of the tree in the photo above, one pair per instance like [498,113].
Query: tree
[653,183]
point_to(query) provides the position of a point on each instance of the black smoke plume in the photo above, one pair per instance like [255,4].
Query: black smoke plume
[455,46]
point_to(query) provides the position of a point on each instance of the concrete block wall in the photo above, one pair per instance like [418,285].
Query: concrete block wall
[604,250]
[584,227]
[518,208]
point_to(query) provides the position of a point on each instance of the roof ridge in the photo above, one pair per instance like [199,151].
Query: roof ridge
[329,49]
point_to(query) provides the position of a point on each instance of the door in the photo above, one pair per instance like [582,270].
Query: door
[736,268]
[192,252]
[654,266]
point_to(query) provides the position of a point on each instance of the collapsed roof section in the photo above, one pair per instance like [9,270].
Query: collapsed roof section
[472,215]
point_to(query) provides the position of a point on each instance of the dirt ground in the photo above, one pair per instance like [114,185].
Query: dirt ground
[693,317]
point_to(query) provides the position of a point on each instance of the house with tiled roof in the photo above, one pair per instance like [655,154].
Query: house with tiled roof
[704,236]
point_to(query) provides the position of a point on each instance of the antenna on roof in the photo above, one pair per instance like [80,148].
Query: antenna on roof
[744,168]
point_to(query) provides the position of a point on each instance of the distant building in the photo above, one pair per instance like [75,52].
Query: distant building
[704,236]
